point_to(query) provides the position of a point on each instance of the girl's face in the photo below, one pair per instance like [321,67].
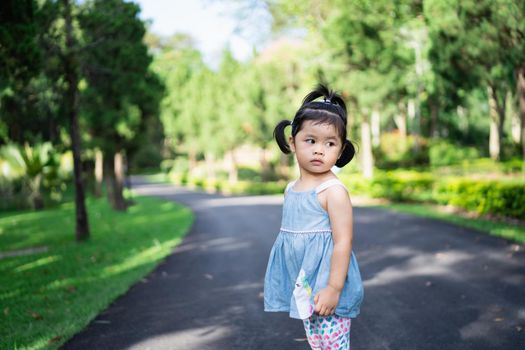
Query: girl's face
[316,146]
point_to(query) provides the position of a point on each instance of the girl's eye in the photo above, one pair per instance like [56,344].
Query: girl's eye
[331,144]
[310,141]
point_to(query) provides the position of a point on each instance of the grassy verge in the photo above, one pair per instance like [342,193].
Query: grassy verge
[513,232]
[49,296]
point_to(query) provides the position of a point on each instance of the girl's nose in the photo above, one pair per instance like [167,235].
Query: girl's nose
[318,151]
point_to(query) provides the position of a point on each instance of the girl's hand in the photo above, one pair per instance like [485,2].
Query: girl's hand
[326,301]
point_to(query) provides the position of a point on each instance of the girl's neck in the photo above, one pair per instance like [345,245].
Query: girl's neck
[310,180]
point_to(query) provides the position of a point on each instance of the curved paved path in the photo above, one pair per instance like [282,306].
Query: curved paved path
[428,285]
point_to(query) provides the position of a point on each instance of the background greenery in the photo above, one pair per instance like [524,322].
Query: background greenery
[436,99]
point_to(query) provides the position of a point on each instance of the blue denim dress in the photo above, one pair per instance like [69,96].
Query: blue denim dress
[299,263]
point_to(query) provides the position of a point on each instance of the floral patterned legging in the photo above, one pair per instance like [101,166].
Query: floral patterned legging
[328,332]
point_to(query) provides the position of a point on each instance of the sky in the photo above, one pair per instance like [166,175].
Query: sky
[212,23]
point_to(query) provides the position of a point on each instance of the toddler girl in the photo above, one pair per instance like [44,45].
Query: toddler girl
[312,272]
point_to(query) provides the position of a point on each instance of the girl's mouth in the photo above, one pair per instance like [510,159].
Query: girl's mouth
[316,162]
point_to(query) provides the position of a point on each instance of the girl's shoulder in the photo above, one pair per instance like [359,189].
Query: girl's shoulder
[335,192]
[321,187]
[331,183]
[289,185]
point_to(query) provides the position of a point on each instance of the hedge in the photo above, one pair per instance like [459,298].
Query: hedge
[501,197]
[483,196]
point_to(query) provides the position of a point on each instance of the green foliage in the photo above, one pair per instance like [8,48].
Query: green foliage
[402,185]
[37,165]
[116,71]
[30,72]
[366,38]
[20,54]
[481,167]
[483,196]
[147,156]
[355,183]
[442,152]
[498,197]
[251,174]
[394,151]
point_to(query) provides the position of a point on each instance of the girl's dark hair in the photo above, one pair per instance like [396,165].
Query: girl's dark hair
[330,111]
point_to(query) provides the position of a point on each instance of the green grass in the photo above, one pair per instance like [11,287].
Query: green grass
[494,228]
[47,297]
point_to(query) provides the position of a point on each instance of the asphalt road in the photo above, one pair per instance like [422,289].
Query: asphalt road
[428,285]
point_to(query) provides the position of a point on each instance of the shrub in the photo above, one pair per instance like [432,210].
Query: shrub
[395,152]
[443,152]
[247,173]
[483,196]
[355,183]
[402,185]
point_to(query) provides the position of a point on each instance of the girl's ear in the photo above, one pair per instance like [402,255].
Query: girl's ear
[346,155]
[291,143]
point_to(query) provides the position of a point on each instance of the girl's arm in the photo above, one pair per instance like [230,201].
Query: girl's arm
[339,210]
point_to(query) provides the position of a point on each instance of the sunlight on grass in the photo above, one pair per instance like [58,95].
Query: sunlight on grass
[40,262]
[149,255]
[49,296]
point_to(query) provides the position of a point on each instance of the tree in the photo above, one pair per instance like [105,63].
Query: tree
[367,39]
[471,46]
[180,66]
[33,57]
[115,70]
[231,111]
[70,62]
[28,97]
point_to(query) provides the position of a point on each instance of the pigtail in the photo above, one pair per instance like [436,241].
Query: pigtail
[347,155]
[280,137]
[320,90]
[338,100]
[334,100]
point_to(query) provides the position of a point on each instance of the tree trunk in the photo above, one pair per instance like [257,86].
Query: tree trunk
[266,171]
[118,193]
[366,142]
[108,177]
[114,191]
[497,119]
[71,103]
[376,126]
[210,166]
[233,175]
[99,173]
[520,88]
[37,202]
[411,111]
[413,116]
[512,113]
[434,116]
[192,159]
[401,122]
[494,137]
[462,119]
